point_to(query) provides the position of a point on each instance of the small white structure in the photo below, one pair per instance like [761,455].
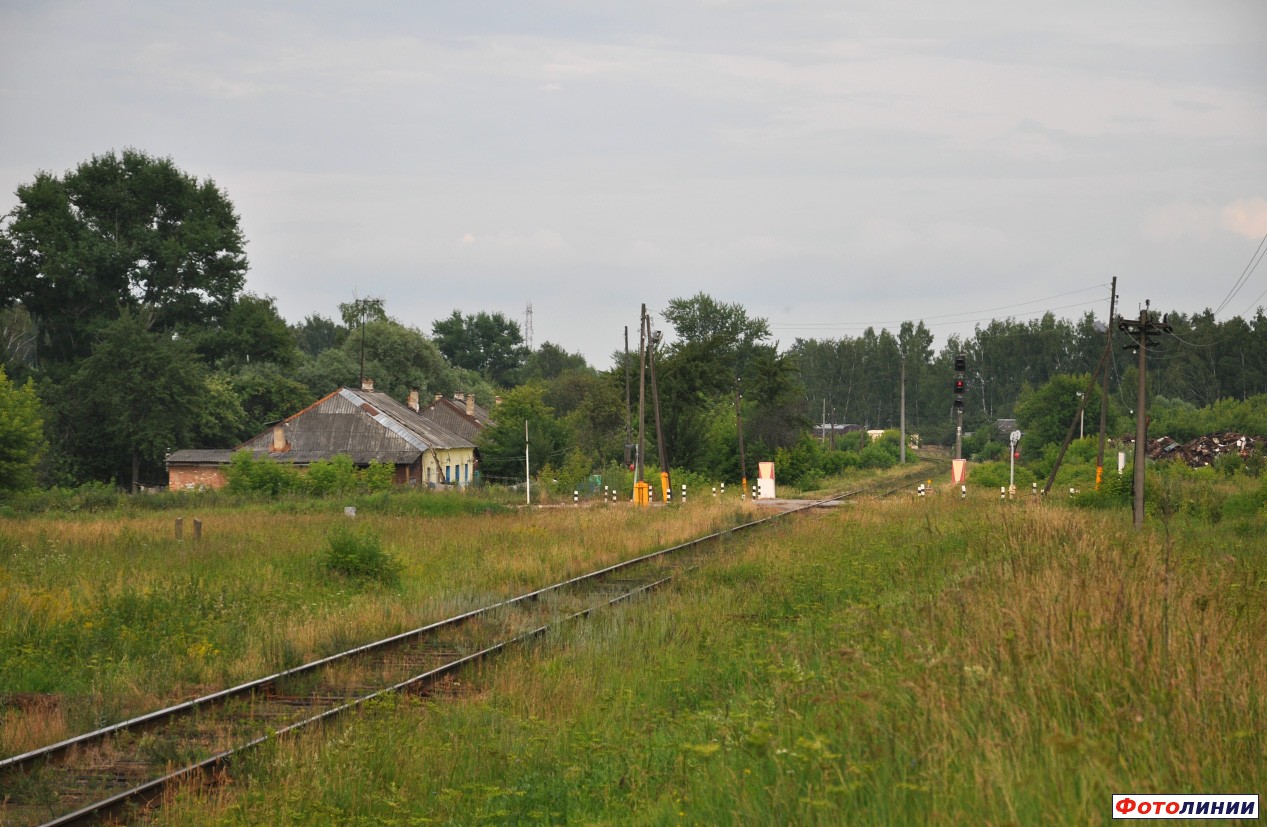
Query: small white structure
[765,480]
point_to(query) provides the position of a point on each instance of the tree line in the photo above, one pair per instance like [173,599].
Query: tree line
[127,331]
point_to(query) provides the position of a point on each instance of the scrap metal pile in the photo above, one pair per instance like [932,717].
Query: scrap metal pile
[1204,449]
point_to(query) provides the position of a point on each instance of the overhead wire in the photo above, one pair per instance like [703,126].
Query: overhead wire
[1245,274]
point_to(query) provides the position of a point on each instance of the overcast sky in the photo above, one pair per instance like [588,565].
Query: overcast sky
[829,165]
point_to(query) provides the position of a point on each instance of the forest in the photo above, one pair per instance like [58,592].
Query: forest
[128,330]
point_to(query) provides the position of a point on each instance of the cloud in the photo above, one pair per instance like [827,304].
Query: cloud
[1180,220]
[1247,217]
[1203,221]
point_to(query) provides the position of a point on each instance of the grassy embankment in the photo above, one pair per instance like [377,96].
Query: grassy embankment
[103,616]
[895,662]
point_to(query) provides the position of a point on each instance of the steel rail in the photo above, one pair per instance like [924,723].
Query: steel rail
[148,790]
[165,714]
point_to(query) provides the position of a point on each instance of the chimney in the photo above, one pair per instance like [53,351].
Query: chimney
[279,440]
[413,399]
[367,384]
[470,404]
[439,396]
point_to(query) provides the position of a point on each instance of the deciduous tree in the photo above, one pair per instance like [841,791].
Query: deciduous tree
[122,231]
[486,342]
[137,396]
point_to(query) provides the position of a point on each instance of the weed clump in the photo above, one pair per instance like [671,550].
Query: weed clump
[359,554]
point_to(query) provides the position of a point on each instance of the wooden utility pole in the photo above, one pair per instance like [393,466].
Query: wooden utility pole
[1104,389]
[1141,331]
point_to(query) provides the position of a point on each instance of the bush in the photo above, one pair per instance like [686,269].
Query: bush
[879,454]
[1247,504]
[1229,463]
[248,475]
[997,474]
[1116,491]
[331,476]
[377,476]
[358,553]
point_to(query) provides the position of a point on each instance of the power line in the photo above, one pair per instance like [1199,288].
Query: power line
[1245,274]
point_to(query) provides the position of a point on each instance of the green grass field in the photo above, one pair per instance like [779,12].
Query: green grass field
[103,616]
[894,661]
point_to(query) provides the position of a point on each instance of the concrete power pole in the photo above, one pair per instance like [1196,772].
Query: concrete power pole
[961,367]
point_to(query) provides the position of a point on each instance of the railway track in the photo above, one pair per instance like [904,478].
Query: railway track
[115,771]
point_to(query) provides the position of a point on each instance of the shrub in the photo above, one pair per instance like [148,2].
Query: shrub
[1229,463]
[1116,491]
[377,476]
[331,476]
[358,553]
[879,454]
[248,475]
[997,474]
[1247,503]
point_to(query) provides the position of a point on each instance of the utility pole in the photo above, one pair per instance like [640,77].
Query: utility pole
[743,461]
[642,394]
[1141,331]
[1104,389]
[961,367]
[665,481]
[527,466]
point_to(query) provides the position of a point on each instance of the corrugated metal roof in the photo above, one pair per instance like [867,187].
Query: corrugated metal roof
[432,433]
[363,425]
[451,416]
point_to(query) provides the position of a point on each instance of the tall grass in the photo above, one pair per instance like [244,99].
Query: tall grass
[896,663]
[110,615]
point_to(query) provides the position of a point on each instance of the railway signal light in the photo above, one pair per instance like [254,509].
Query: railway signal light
[959,386]
[958,403]
[961,363]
